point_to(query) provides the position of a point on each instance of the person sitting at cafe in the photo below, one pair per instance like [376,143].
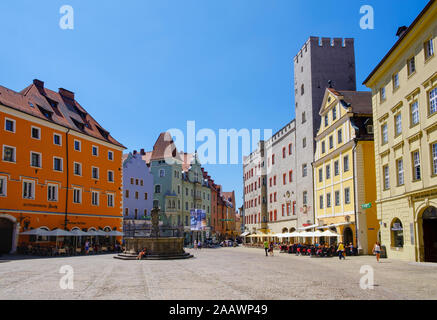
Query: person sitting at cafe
[141,254]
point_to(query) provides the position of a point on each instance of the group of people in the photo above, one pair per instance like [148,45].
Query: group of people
[197,244]
[315,250]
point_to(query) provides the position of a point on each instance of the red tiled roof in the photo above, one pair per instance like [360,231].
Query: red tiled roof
[164,148]
[34,100]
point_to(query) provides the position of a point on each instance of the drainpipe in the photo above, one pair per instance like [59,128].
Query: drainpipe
[355,191]
[68,174]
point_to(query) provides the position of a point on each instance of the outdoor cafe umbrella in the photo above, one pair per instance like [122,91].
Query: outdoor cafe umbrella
[329,233]
[36,232]
[78,233]
[59,233]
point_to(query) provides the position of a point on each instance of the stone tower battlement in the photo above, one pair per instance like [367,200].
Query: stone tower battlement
[325,43]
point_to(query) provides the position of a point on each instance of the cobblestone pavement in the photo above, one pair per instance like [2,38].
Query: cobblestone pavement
[225,273]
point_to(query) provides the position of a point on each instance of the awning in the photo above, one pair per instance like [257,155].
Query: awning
[60,233]
[78,233]
[309,227]
[335,225]
[329,233]
[36,232]
[115,233]
[244,234]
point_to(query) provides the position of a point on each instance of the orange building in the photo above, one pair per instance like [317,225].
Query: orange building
[59,168]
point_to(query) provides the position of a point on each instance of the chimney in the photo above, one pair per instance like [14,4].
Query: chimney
[142,152]
[401,31]
[38,83]
[66,94]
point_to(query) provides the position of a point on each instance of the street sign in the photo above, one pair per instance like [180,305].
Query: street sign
[366,206]
[226,219]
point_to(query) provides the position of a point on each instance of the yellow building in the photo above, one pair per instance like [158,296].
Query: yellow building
[344,169]
[404,98]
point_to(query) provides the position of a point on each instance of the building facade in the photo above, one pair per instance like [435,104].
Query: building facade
[344,169]
[59,167]
[137,187]
[404,98]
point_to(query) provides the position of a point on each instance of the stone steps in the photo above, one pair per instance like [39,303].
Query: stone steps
[130,256]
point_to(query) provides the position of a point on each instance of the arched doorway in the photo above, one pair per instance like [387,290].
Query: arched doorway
[6,235]
[429,219]
[348,236]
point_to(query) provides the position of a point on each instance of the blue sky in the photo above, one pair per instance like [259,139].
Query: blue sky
[141,67]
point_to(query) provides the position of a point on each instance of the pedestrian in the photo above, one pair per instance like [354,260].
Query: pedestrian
[87,247]
[195,244]
[266,247]
[199,245]
[377,251]
[340,251]
[271,248]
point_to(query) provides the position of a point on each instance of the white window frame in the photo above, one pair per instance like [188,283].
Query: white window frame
[400,171]
[74,169]
[347,195]
[396,83]
[39,132]
[386,177]
[411,67]
[432,96]
[416,166]
[40,159]
[414,112]
[434,158]
[112,155]
[110,203]
[5,186]
[14,160]
[384,134]
[161,173]
[80,145]
[113,177]
[32,183]
[97,202]
[92,173]
[60,139]
[56,192]
[92,151]
[346,166]
[62,164]
[14,125]
[429,49]
[79,190]
[398,124]
[337,196]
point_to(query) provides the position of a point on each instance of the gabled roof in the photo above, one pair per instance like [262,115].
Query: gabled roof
[165,148]
[359,101]
[57,107]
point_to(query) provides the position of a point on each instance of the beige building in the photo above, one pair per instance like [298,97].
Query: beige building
[404,99]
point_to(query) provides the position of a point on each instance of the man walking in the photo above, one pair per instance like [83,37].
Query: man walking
[266,247]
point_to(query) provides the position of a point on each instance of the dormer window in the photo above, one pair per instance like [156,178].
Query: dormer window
[46,113]
[78,124]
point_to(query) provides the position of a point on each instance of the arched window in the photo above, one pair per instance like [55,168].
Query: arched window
[397,234]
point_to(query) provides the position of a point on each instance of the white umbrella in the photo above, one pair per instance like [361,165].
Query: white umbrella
[60,233]
[329,233]
[101,233]
[36,232]
[78,233]
[115,233]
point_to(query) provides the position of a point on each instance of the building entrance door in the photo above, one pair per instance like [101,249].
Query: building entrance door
[348,236]
[6,232]
[429,219]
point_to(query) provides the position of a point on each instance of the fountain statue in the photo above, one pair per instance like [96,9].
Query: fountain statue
[157,247]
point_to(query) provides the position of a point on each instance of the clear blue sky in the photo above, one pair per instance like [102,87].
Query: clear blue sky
[141,67]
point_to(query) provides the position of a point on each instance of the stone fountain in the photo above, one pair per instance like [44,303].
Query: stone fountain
[157,247]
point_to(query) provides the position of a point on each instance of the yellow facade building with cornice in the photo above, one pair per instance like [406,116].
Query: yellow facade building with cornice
[404,99]
[344,170]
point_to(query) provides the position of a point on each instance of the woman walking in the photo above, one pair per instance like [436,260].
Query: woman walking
[377,251]
[271,248]
[340,251]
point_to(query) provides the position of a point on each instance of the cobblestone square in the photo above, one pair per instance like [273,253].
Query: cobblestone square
[223,274]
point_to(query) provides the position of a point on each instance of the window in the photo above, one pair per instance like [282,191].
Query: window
[304,170]
[131,180]
[434,158]
[416,166]
[126,212]
[303,117]
[323,147]
[52,192]
[336,168]
[284,179]
[384,133]
[396,81]
[145,196]
[284,152]
[321,202]
[95,151]
[158,189]
[136,195]
[347,195]
[10,125]
[397,234]
[386,173]
[57,164]
[305,198]
[77,169]
[110,200]
[337,198]
[382,94]
[77,195]
[162,173]
[290,149]
[326,121]
[304,142]
[400,168]
[328,200]
[334,114]
[398,124]
[8,154]
[35,159]
[411,63]
[57,140]
[3,182]
[111,176]
[36,133]
[302,90]
[126,194]
[331,142]
[77,145]
[429,49]
[433,101]
[328,172]
[320,175]
[95,173]
[346,163]
[28,189]
[136,182]
[110,155]
[414,113]
[290,176]
[273,160]
[340,136]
